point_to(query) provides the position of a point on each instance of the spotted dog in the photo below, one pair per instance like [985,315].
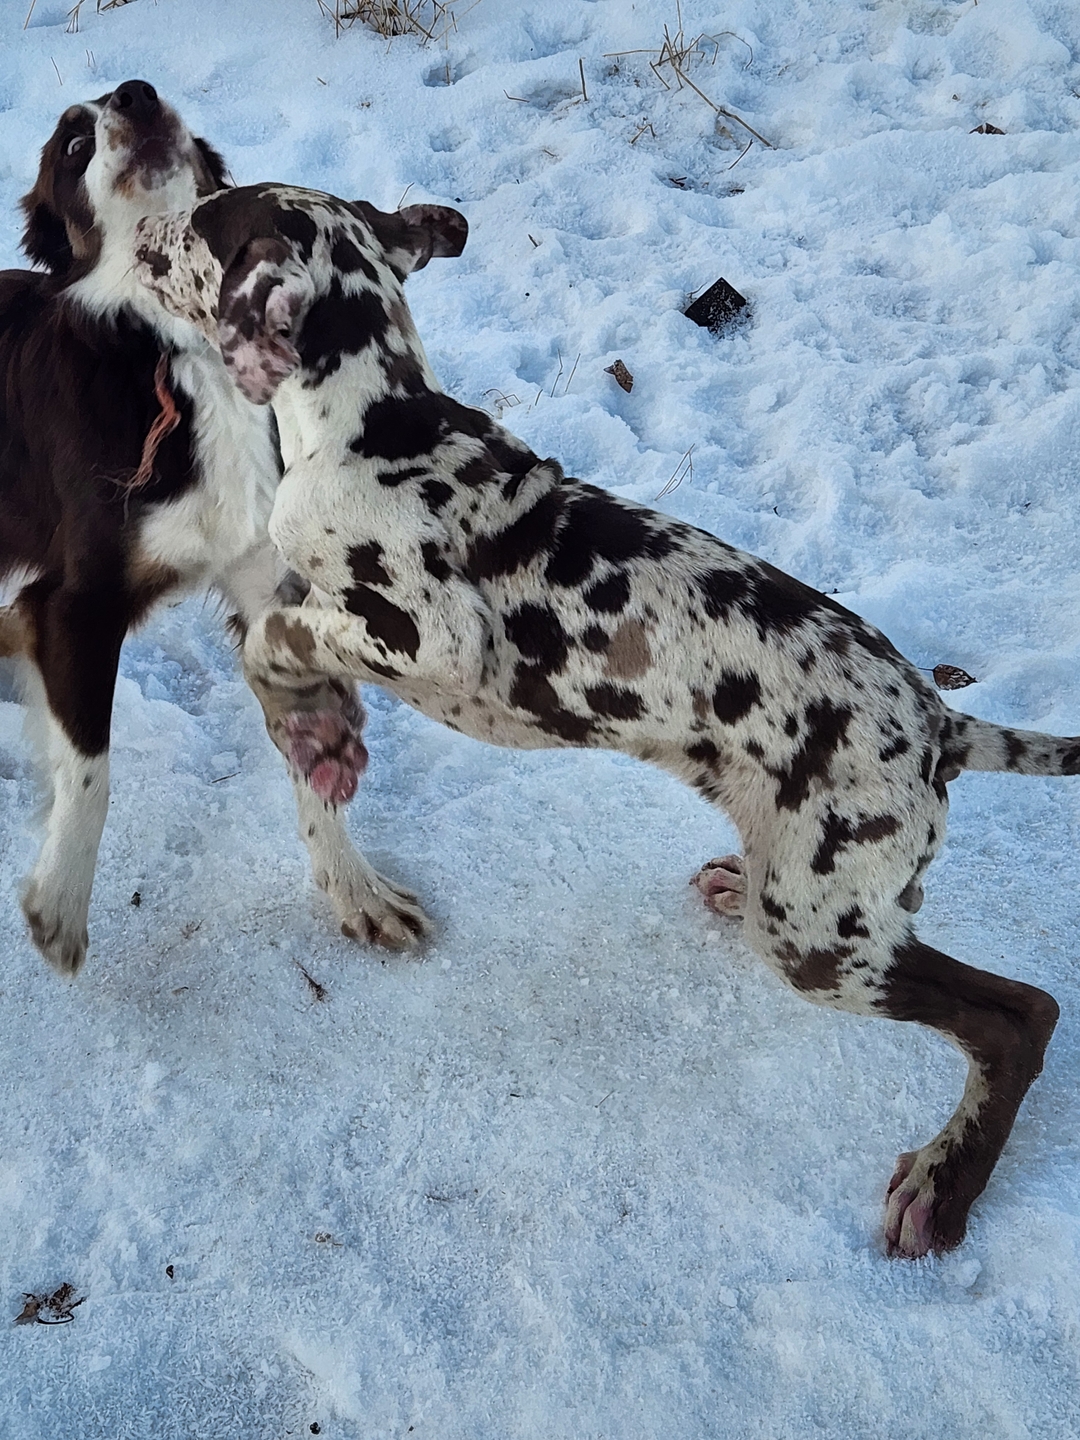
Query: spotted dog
[492,592]
[131,469]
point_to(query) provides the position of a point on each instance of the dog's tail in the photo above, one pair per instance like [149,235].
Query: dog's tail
[970,744]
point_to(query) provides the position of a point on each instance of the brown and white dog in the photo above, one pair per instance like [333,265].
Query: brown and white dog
[131,468]
[492,592]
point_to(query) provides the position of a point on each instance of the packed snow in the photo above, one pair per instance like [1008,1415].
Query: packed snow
[583,1168]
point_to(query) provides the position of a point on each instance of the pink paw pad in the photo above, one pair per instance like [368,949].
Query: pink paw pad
[909,1212]
[328,752]
[723,884]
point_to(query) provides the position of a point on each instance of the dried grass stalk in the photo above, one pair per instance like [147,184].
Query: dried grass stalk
[428,20]
[100,6]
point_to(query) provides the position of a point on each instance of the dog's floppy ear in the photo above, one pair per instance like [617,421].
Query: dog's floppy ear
[410,237]
[45,239]
[215,167]
[265,296]
[437,230]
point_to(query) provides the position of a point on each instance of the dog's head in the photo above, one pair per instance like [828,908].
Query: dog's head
[301,279]
[108,163]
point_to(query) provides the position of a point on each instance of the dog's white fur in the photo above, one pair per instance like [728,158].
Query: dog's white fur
[214,535]
[491,592]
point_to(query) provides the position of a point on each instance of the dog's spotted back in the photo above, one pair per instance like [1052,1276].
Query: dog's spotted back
[525,608]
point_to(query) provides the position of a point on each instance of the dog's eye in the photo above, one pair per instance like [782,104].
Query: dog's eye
[76,143]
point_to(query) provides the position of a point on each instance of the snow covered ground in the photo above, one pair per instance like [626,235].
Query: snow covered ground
[585,1169]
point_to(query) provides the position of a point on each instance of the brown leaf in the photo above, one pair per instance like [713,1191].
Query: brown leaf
[986,129]
[951,677]
[54,1309]
[622,375]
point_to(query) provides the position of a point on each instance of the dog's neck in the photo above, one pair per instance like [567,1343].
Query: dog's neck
[321,412]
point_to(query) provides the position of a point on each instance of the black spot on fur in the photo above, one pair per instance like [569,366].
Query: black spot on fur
[398,477]
[1015,749]
[531,534]
[895,748]
[608,596]
[836,832]
[615,702]
[386,622]
[435,494]
[337,325]
[538,633]
[772,907]
[877,827]
[597,526]
[301,229]
[365,562]
[346,257]
[594,638]
[703,752]
[434,562]
[779,602]
[826,728]
[511,456]
[735,696]
[533,691]
[722,591]
[476,471]
[850,925]
[813,969]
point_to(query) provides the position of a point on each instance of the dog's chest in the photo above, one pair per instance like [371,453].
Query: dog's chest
[225,515]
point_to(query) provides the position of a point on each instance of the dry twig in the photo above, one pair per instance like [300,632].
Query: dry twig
[683,471]
[679,51]
[100,6]
[318,991]
[431,21]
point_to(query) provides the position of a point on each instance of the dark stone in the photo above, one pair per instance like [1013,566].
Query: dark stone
[718,307]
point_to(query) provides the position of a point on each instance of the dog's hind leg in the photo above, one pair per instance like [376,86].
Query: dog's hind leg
[1003,1028]
[864,958]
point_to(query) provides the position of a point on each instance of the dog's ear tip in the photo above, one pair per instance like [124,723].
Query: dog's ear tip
[445,229]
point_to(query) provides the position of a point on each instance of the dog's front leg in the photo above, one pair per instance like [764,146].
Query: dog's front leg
[444,645]
[368,905]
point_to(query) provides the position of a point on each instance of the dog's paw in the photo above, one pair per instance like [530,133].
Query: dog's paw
[375,910]
[57,926]
[325,749]
[723,884]
[926,1208]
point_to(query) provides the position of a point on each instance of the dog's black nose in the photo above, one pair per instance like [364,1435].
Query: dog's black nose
[137,99]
